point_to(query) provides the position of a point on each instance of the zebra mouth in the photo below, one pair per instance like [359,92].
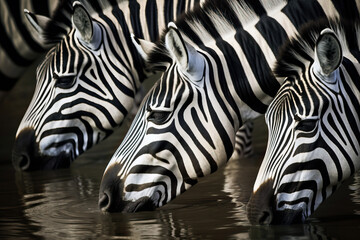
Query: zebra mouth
[27,163]
[288,216]
[63,160]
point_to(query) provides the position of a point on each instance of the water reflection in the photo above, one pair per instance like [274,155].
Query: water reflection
[58,200]
[63,204]
[355,195]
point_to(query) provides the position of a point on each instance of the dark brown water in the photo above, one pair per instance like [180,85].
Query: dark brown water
[62,204]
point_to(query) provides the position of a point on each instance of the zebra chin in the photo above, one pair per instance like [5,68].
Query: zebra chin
[26,156]
[261,208]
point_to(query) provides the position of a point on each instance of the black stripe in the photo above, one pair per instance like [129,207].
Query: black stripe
[190,132]
[240,80]
[166,145]
[180,8]
[151,13]
[14,8]
[201,128]
[134,8]
[224,86]
[61,131]
[347,9]
[297,186]
[146,169]
[303,11]
[168,11]
[7,46]
[267,27]
[257,61]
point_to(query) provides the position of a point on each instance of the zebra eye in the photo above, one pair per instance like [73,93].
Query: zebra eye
[306,125]
[158,117]
[64,82]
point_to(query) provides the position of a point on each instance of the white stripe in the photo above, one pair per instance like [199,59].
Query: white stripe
[329,8]
[263,97]
[285,22]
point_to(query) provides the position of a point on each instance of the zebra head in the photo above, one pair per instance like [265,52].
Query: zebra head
[85,86]
[174,139]
[313,125]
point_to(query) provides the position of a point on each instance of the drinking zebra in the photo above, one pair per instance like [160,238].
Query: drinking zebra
[20,44]
[87,82]
[313,122]
[218,62]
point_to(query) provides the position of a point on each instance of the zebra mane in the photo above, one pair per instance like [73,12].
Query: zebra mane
[298,53]
[60,24]
[214,19]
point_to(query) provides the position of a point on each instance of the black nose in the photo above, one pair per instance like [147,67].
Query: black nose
[259,208]
[24,150]
[110,198]
[111,195]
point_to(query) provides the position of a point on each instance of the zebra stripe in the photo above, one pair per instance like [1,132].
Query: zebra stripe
[217,77]
[19,44]
[85,89]
[313,124]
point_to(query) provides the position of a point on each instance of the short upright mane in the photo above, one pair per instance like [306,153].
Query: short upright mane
[216,18]
[298,53]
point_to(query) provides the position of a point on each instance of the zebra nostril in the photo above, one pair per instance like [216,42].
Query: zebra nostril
[259,207]
[265,218]
[104,202]
[24,149]
[24,162]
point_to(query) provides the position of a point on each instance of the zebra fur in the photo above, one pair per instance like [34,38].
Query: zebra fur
[313,123]
[218,63]
[83,94]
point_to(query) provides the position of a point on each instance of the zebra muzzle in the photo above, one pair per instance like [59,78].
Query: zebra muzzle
[26,156]
[259,208]
[24,150]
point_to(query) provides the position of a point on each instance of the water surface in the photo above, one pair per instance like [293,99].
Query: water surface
[62,204]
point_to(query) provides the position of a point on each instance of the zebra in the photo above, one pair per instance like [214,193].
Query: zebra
[20,44]
[313,122]
[87,82]
[218,75]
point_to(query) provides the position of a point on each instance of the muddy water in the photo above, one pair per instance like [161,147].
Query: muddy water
[62,204]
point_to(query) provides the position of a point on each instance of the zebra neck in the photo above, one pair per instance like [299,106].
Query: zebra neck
[146,20]
[252,43]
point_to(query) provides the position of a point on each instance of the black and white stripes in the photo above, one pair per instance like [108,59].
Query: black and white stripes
[218,62]
[20,44]
[313,122]
[86,85]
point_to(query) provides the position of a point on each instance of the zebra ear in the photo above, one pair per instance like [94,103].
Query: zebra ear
[328,53]
[143,47]
[87,31]
[38,22]
[190,61]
